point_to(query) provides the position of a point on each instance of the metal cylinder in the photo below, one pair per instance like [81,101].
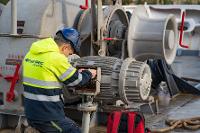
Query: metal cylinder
[128,80]
[86,122]
[14,17]
[152,38]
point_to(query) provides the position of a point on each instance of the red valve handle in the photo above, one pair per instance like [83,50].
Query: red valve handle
[181,32]
[112,39]
[11,95]
[84,7]
[109,39]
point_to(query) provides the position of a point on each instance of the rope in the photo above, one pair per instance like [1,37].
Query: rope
[188,124]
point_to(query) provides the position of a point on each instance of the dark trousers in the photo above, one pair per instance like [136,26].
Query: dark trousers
[62,126]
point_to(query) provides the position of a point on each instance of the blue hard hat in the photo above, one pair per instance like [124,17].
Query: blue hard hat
[73,36]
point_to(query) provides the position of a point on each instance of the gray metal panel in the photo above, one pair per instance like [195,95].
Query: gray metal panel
[181,52]
[41,17]
[192,21]
[12,48]
[30,11]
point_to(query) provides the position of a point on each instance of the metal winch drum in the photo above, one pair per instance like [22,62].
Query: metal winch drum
[128,80]
[150,38]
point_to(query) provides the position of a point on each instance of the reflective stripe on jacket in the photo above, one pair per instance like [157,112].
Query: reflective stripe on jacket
[44,71]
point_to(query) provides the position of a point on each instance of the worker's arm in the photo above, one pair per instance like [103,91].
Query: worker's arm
[69,75]
[79,78]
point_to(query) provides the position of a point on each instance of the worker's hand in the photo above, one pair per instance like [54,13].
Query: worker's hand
[81,69]
[94,73]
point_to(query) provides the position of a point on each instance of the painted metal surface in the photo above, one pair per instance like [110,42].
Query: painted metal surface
[1,8]
[151,38]
[46,20]
[9,51]
[192,21]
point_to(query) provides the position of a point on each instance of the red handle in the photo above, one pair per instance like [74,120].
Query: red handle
[109,39]
[181,32]
[10,95]
[84,7]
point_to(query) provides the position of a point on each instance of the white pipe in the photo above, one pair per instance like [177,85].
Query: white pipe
[99,28]
[100,17]
[14,17]
[86,122]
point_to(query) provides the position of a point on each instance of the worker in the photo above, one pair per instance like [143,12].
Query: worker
[45,68]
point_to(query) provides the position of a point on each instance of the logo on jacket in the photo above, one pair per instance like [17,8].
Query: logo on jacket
[36,63]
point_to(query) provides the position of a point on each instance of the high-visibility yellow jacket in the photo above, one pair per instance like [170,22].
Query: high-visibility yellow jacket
[44,71]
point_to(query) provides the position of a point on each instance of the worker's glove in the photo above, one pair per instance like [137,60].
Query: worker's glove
[93,72]
[72,58]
